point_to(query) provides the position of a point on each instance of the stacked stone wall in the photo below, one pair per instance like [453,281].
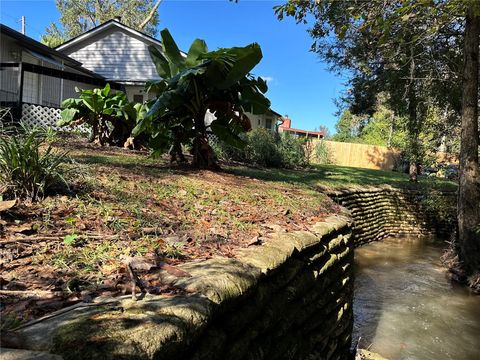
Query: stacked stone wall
[290,298]
[382,212]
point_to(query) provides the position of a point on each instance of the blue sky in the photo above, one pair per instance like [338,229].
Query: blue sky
[299,83]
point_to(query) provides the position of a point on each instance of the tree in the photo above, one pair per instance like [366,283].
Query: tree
[387,46]
[413,51]
[79,16]
[326,132]
[469,175]
[218,82]
[347,127]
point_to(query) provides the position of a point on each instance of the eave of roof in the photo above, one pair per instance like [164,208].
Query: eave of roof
[102,27]
[34,45]
[275,113]
[302,131]
[38,47]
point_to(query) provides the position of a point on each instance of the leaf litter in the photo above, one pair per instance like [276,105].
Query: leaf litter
[128,211]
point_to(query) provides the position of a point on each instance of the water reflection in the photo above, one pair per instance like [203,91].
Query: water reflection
[405,308]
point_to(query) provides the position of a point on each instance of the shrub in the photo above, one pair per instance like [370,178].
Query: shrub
[291,151]
[29,166]
[322,153]
[265,149]
[110,116]
[262,149]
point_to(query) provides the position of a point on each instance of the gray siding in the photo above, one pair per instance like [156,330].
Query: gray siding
[9,52]
[116,55]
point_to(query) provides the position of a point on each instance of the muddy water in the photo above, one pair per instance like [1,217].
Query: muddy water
[405,308]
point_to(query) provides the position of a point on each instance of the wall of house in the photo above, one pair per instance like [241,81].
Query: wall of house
[132,90]
[289,298]
[41,89]
[264,121]
[116,55]
[9,52]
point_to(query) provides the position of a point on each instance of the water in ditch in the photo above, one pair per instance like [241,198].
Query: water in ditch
[405,308]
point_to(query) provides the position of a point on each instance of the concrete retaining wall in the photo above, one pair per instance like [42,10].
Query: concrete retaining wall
[289,298]
[382,212]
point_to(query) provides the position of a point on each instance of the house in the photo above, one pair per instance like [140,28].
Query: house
[120,53]
[117,52]
[34,76]
[285,127]
[36,79]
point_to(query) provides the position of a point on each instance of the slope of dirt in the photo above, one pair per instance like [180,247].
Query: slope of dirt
[127,212]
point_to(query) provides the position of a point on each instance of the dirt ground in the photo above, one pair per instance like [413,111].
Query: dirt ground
[127,212]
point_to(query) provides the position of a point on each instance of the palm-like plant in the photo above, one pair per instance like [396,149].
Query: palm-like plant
[110,115]
[200,81]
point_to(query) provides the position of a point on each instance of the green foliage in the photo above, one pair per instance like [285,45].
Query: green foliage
[409,50]
[70,239]
[443,207]
[291,151]
[347,127]
[109,114]
[322,153]
[265,149]
[217,81]
[79,16]
[29,166]
[262,148]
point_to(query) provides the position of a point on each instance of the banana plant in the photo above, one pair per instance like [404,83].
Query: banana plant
[110,115]
[199,81]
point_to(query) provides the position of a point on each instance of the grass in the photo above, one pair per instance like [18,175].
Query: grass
[334,176]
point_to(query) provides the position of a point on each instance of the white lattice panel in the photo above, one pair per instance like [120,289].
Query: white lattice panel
[44,116]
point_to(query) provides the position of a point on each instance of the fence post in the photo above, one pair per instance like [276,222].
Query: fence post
[20,90]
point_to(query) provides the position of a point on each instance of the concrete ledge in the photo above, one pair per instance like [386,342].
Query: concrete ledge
[265,296]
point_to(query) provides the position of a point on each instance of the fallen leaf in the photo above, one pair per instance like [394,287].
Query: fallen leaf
[139,263]
[172,270]
[255,241]
[20,228]
[5,205]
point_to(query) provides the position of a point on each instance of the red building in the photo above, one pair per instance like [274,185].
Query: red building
[285,126]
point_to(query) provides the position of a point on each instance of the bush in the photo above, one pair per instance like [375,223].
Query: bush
[322,153]
[291,151]
[265,149]
[262,149]
[29,166]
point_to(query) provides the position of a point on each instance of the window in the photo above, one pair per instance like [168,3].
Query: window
[138,98]
[268,124]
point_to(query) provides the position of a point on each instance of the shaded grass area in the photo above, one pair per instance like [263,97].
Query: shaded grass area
[333,176]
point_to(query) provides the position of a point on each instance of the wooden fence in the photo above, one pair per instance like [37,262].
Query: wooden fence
[361,155]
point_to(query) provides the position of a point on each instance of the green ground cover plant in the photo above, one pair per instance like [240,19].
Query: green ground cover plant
[29,165]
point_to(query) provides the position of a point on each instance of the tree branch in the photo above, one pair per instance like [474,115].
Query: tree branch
[150,15]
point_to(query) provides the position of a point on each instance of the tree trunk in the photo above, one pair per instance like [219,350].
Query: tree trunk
[413,123]
[413,134]
[203,155]
[469,186]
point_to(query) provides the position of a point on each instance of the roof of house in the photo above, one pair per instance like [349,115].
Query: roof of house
[100,28]
[302,131]
[286,123]
[42,51]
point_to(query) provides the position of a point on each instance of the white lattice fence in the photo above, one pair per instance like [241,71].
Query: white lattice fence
[212,138]
[44,116]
